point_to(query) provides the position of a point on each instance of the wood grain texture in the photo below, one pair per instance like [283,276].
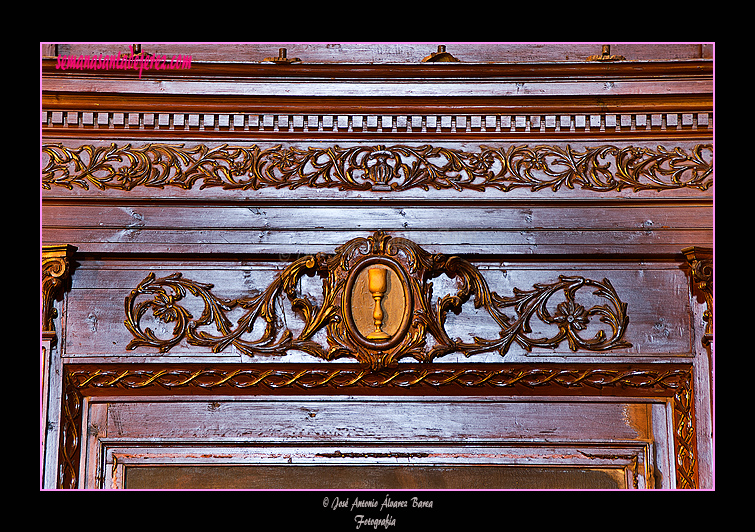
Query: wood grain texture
[376,421]
[291,230]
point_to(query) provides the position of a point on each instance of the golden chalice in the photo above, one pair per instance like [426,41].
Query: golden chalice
[378,285]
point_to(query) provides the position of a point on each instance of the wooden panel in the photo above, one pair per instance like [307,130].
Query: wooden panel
[379,443]
[410,420]
[588,217]
[301,230]
[373,477]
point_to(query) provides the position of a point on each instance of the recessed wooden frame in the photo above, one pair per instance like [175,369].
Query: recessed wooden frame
[516,164]
[672,382]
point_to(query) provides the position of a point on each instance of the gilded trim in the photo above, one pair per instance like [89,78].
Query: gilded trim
[377,167]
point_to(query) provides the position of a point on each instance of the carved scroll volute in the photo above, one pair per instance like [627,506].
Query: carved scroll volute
[56,270]
[701,263]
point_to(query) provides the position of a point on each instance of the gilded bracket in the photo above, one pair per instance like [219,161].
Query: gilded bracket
[282,58]
[56,269]
[701,263]
[605,55]
[441,56]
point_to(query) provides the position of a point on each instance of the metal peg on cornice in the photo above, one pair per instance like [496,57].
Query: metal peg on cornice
[282,58]
[441,56]
[606,55]
[136,49]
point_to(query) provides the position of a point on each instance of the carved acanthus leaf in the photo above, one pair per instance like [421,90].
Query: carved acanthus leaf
[382,168]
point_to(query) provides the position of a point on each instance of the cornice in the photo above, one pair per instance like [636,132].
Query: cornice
[697,68]
[439,84]
[637,98]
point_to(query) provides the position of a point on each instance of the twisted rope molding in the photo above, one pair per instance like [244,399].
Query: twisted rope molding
[382,168]
[340,378]
[659,381]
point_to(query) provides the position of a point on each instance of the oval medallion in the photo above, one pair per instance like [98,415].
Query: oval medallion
[377,302]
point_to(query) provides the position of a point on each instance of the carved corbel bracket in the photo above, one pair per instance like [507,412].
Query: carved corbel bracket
[350,309]
[56,270]
[701,264]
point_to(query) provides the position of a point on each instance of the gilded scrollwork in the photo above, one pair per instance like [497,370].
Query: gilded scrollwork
[383,168]
[424,337]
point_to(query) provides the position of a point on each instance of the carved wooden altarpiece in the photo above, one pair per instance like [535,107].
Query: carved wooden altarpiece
[468,260]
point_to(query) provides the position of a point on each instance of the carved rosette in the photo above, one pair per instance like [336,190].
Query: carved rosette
[420,331]
[398,167]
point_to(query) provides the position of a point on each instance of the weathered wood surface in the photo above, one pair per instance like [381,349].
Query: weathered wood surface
[275,230]
[379,421]
[396,52]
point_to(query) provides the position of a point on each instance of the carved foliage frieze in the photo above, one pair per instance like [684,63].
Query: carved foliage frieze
[349,289]
[601,168]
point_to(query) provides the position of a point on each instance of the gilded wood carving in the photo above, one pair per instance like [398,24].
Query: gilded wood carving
[56,269]
[701,264]
[382,168]
[419,326]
